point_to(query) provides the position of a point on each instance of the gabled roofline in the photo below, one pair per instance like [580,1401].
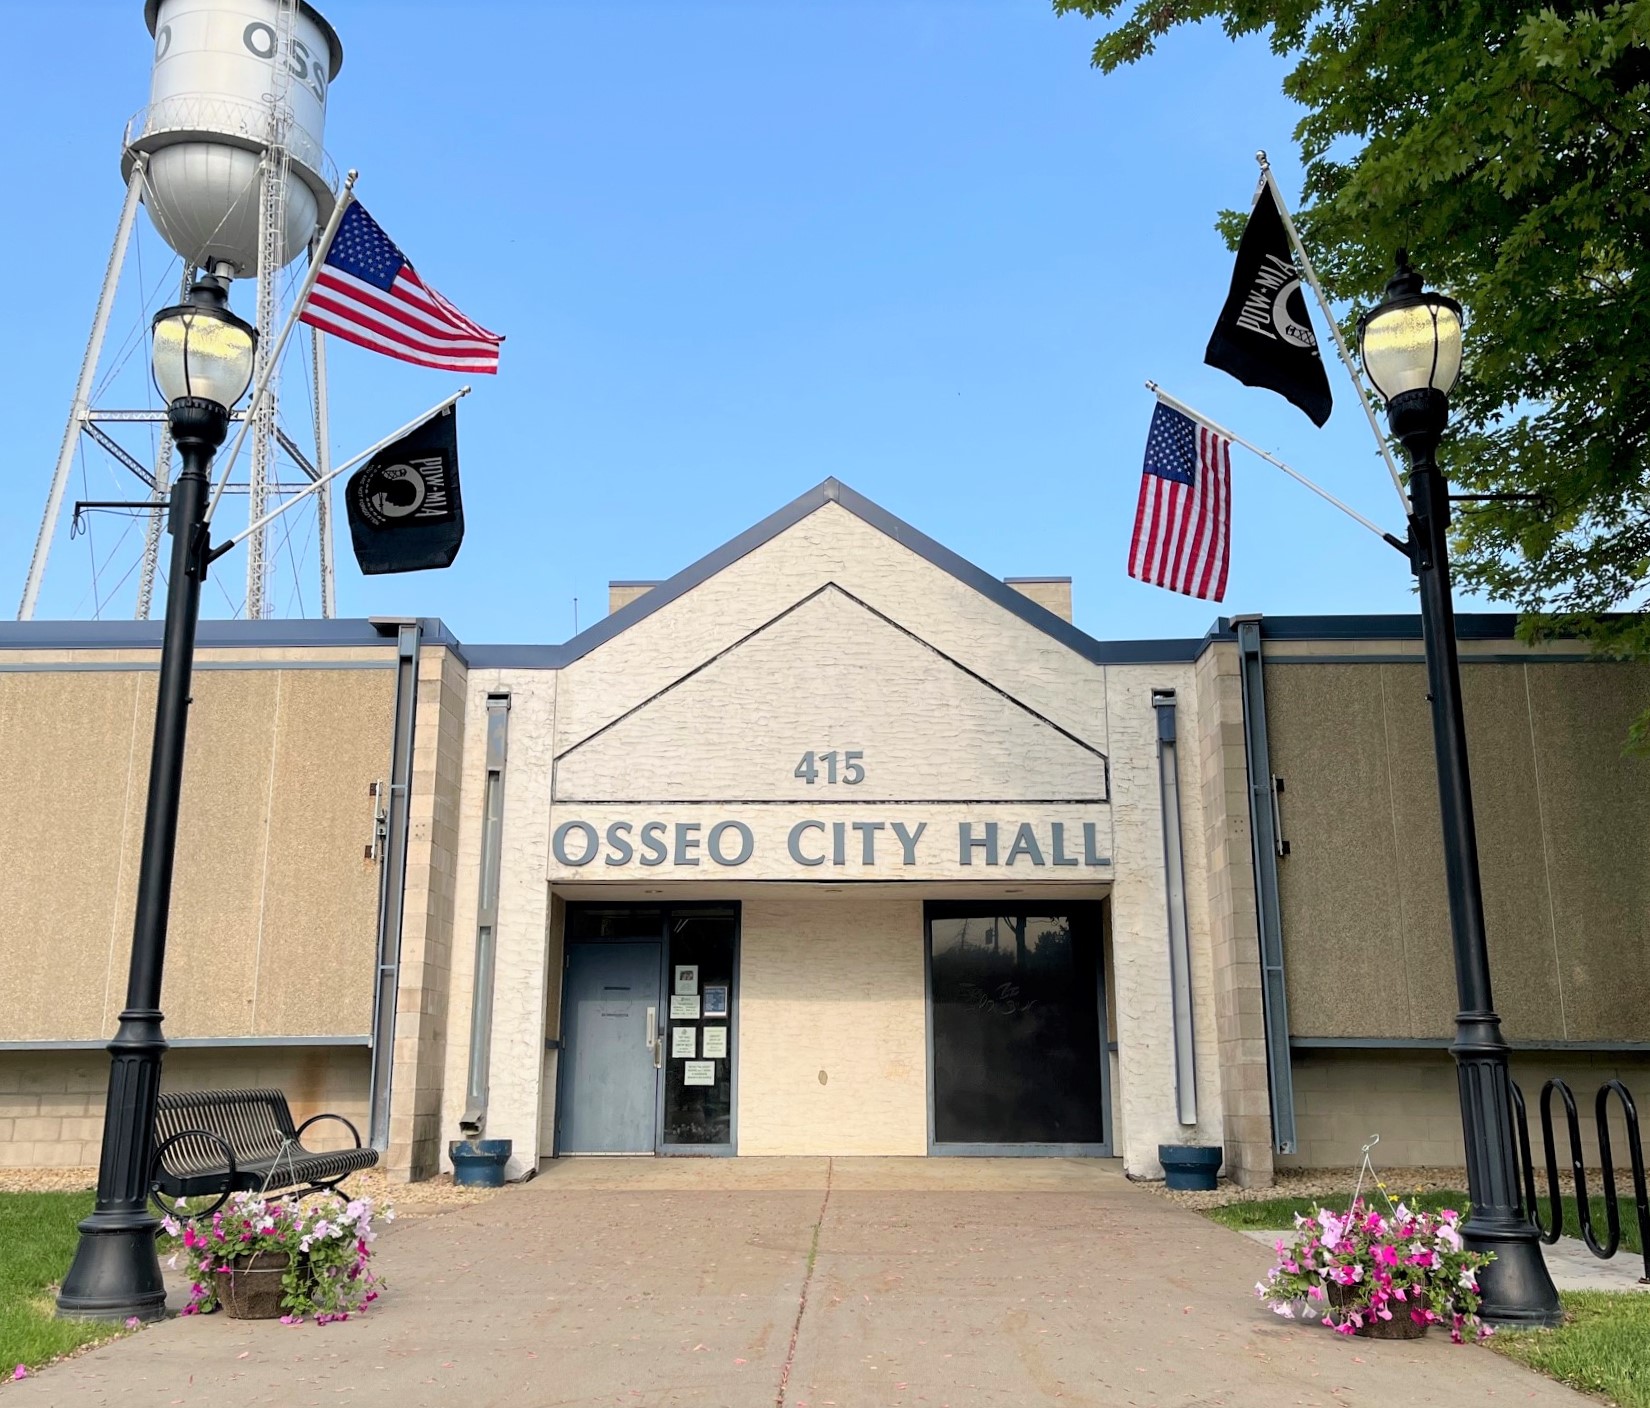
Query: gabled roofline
[830,491]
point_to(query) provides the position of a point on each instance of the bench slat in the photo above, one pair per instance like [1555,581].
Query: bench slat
[257,1124]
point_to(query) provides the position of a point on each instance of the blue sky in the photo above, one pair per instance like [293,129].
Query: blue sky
[736,247]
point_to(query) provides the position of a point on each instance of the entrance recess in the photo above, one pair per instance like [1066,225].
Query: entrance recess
[1017,1031]
[649,1030]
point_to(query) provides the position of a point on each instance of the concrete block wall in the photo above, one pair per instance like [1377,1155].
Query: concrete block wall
[833,1045]
[1234,934]
[1410,1099]
[524,977]
[52,1102]
[421,1016]
[1140,927]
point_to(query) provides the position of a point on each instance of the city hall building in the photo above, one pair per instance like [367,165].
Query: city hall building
[829,844]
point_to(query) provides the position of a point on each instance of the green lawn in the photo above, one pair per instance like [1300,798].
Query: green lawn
[1600,1349]
[37,1242]
[1280,1212]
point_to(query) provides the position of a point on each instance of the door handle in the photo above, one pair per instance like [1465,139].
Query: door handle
[655,1038]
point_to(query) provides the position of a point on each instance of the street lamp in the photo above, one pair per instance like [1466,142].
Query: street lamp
[1411,349]
[202,364]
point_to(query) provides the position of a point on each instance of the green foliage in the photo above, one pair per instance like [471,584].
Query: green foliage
[37,1242]
[1506,143]
[1281,1212]
[1599,1349]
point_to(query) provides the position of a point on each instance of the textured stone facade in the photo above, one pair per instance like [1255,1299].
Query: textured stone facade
[828,723]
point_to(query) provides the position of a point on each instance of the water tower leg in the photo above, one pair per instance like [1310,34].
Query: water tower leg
[323,466]
[157,496]
[82,393]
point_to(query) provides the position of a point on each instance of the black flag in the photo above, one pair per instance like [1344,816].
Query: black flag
[404,510]
[1264,336]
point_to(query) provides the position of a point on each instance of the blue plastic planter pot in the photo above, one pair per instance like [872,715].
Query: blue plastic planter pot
[1189,1168]
[479,1163]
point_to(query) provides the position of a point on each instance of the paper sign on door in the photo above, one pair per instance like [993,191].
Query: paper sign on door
[684,1041]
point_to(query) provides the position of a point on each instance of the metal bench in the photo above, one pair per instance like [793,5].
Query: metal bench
[226,1141]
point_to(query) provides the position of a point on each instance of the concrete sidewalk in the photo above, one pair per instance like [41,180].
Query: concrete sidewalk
[800,1283]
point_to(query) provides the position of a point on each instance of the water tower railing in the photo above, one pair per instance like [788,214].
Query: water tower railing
[229,117]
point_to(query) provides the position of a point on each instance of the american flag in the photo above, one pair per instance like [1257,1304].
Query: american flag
[1182,528]
[367,293]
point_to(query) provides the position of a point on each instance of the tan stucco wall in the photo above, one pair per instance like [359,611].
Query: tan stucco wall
[832,987]
[274,905]
[1411,1099]
[52,1102]
[1563,837]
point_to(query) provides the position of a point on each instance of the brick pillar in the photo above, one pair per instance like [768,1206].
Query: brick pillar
[1240,1023]
[427,920]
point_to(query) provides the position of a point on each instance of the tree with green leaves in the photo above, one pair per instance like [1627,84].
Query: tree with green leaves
[1507,146]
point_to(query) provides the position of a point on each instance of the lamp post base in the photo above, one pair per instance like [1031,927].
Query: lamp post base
[1516,1287]
[115,1274]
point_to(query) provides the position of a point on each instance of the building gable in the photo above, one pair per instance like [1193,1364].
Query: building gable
[832,684]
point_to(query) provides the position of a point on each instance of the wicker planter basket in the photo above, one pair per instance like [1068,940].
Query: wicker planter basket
[251,1289]
[1400,1327]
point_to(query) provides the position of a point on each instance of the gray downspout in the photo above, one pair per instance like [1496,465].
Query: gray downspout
[1174,875]
[1268,847]
[473,1123]
[393,885]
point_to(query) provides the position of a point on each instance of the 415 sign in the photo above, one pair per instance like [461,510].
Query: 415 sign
[852,770]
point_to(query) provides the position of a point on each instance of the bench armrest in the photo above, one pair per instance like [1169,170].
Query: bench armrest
[158,1168]
[355,1134]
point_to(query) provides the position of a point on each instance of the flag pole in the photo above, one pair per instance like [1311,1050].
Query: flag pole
[321,483]
[1294,474]
[345,197]
[1267,178]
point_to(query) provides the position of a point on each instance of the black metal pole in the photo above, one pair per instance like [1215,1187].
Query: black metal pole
[1516,1287]
[116,1273]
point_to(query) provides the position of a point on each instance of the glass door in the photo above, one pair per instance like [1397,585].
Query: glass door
[696,1114]
[1017,1040]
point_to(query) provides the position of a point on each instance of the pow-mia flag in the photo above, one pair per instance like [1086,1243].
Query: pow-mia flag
[1264,336]
[404,510]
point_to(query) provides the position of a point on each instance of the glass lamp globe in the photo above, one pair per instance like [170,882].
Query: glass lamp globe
[1412,340]
[203,350]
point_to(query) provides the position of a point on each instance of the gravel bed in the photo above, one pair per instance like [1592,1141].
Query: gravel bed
[415,1199]
[1321,1182]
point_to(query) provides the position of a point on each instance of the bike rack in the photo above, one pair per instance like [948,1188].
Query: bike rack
[1554,1229]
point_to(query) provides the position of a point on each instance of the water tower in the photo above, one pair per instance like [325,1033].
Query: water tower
[229,162]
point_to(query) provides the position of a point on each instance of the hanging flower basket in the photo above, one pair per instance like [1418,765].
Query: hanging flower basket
[1380,1275]
[261,1258]
[249,1287]
[1399,1327]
